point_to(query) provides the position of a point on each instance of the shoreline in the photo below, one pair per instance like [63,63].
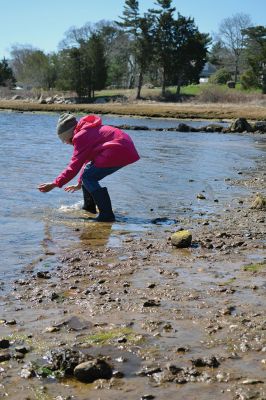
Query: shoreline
[210,111]
[172,322]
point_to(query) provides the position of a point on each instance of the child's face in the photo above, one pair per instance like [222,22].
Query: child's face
[68,141]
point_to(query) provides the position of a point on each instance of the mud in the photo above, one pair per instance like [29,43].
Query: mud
[176,323]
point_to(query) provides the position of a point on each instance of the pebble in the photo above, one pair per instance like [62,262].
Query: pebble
[251,381]
[4,344]
[4,356]
[52,329]
[151,303]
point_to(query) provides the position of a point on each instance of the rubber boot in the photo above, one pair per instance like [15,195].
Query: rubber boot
[89,204]
[103,202]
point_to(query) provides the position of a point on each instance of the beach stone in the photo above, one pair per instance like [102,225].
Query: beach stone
[181,239]
[211,362]
[4,344]
[240,125]
[90,371]
[4,355]
[259,202]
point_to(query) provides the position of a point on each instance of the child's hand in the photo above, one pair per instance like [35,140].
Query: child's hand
[73,188]
[46,187]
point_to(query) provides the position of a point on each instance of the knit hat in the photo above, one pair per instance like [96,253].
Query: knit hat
[66,126]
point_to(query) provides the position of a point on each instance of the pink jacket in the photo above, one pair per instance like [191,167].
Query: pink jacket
[104,145]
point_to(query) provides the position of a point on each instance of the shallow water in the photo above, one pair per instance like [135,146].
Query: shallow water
[159,185]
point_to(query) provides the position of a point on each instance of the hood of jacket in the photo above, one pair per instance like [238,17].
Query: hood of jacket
[90,121]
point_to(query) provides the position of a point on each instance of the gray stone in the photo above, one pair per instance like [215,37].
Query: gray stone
[90,371]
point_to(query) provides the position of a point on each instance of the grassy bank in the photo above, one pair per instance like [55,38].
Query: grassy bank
[144,109]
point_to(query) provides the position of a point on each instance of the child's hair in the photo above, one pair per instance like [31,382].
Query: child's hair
[66,126]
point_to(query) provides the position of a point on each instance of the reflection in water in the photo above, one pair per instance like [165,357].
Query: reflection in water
[173,169]
[95,233]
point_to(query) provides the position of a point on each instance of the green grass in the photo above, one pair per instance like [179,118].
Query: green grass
[255,267]
[189,90]
[108,336]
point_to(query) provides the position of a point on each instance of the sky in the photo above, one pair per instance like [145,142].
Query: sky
[43,23]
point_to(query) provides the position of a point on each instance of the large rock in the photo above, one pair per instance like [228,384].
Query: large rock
[90,371]
[241,125]
[181,239]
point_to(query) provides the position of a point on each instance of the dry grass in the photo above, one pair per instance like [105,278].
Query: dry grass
[155,109]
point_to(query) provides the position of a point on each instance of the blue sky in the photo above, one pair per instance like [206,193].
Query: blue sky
[43,23]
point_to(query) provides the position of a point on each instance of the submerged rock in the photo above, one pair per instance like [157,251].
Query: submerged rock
[181,239]
[90,371]
[213,128]
[184,128]
[260,126]
[201,196]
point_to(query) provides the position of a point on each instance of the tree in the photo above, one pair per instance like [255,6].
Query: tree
[33,67]
[139,30]
[130,24]
[144,50]
[6,75]
[255,39]
[232,37]
[83,66]
[189,52]
[163,37]
[218,54]
[97,63]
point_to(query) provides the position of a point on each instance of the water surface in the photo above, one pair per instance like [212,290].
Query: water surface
[174,167]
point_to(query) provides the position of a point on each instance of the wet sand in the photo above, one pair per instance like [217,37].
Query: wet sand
[175,323]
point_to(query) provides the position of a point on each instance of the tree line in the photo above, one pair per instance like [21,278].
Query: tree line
[160,47]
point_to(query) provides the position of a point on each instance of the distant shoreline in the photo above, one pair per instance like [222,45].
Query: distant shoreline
[187,111]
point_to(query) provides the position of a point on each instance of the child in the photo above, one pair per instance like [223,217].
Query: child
[99,150]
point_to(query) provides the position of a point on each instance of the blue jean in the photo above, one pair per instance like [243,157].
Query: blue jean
[92,175]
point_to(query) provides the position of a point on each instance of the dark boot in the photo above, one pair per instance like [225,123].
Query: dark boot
[103,202]
[89,204]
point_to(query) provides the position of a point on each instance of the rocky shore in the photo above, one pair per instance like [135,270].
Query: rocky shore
[146,319]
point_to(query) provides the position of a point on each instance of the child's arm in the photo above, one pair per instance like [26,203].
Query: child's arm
[73,188]
[46,187]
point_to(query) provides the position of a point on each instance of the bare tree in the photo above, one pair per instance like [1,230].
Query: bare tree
[232,37]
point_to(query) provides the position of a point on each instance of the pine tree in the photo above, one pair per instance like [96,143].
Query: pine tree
[163,36]
[6,75]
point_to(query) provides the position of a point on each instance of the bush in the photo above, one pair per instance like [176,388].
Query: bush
[219,94]
[248,80]
[220,77]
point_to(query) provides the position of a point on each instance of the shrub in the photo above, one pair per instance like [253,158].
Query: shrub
[248,80]
[219,94]
[220,77]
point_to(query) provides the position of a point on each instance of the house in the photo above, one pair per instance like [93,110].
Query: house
[208,70]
